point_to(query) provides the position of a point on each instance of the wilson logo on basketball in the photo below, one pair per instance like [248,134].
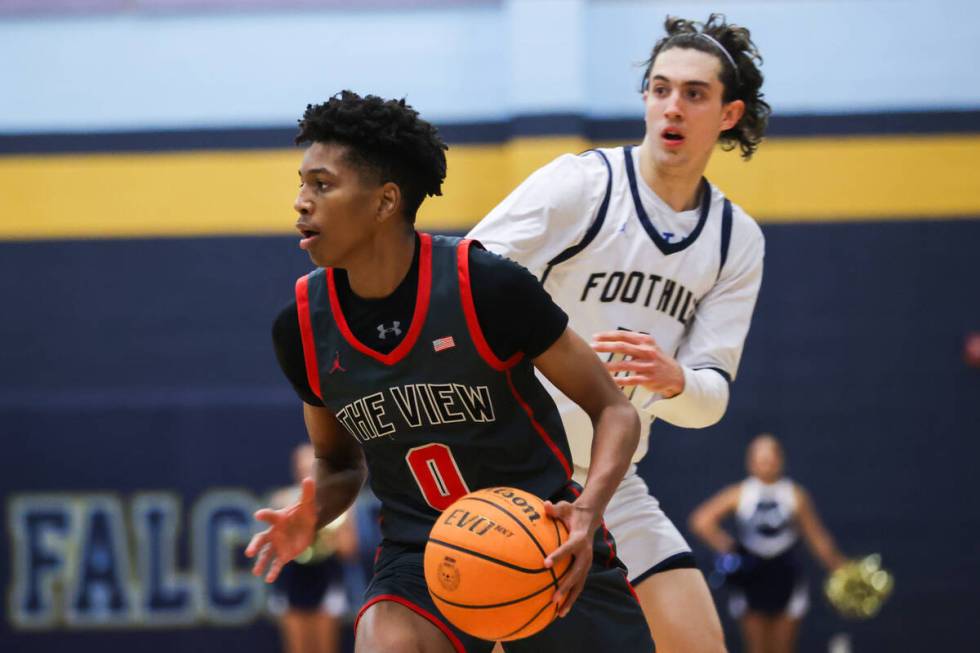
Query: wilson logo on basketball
[520,502]
[449,574]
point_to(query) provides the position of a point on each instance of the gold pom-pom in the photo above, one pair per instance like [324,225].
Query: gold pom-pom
[858,588]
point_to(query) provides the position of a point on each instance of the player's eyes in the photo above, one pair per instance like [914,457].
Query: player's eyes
[660,91]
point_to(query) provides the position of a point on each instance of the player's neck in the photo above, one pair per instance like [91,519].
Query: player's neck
[382,264]
[677,186]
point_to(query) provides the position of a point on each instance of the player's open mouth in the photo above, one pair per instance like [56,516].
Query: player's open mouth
[309,235]
[672,137]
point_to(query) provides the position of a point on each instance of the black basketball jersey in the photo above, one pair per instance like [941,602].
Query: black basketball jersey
[440,415]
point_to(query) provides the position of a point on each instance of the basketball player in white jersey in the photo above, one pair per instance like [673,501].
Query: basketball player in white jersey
[768,589]
[646,254]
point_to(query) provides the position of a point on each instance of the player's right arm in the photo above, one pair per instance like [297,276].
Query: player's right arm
[705,521]
[340,470]
[339,475]
[340,466]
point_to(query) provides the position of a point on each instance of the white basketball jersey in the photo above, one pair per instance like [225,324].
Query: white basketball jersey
[613,255]
[766,517]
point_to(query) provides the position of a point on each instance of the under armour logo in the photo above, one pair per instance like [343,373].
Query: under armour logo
[668,235]
[395,330]
[336,367]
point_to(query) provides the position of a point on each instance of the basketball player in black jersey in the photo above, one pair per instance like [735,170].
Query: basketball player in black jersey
[415,356]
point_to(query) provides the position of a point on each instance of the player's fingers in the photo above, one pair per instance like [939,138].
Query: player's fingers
[625,336]
[571,586]
[265,556]
[636,351]
[573,595]
[556,510]
[269,516]
[274,569]
[628,366]
[258,541]
[635,379]
[568,547]
[307,490]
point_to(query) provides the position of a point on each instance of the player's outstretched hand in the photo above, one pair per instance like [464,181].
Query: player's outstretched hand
[644,361]
[290,531]
[580,523]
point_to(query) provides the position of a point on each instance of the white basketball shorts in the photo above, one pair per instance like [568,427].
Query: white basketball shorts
[645,536]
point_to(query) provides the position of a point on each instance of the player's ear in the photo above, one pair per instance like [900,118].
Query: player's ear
[389,201]
[731,113]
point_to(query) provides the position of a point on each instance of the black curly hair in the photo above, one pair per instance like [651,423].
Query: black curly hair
[741,84]
[385,139]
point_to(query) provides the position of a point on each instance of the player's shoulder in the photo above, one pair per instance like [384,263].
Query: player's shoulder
[745,230]
[490,265]
[577,168]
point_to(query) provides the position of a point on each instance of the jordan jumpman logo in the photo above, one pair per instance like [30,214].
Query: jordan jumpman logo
[336,367]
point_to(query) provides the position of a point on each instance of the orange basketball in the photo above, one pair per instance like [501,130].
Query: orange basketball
[484,564]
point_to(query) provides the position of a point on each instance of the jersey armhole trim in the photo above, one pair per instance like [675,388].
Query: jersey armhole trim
[726,233]
[469,312]
[725,375]
[306,334]
[593,229]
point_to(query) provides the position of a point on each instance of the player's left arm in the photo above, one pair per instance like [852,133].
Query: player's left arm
[691,389]
[817,538]
[575,370]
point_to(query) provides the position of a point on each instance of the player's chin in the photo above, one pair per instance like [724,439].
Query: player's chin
[320,257]
[670,156]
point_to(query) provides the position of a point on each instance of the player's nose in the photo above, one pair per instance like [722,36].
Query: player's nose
[672,109]
[302,205]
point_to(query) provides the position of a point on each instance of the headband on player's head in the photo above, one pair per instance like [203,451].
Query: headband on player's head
[717,44]
[724,51]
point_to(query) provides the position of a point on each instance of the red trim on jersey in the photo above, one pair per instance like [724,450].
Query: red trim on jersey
[537,427]
[612,547]
[418,318]
[438,623]
[630,586]
[306,333]
[469,310]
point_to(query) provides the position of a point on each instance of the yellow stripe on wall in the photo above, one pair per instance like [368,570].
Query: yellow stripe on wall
[251,191]
[808,179]
[162,194]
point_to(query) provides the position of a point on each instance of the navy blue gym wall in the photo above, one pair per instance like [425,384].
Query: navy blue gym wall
[854,360]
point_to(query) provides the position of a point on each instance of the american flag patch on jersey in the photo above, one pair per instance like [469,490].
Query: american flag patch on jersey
[443,343]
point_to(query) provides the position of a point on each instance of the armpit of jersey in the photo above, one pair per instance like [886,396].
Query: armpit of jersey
[547,213]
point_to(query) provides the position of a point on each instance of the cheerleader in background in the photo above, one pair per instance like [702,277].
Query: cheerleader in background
[769,594]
